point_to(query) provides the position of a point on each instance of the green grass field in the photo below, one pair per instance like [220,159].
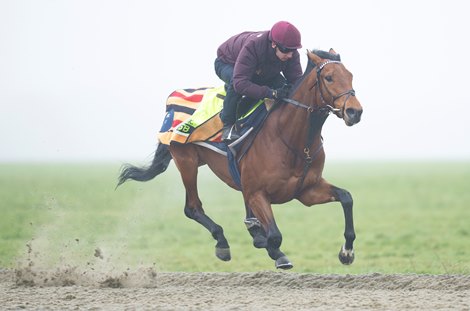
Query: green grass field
[409,218]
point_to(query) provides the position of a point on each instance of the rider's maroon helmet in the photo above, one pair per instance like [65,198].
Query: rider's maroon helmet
[285,34]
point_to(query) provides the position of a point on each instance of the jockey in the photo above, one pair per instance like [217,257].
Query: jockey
[250,64]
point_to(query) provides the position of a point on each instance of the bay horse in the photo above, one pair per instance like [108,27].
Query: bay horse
[282,162]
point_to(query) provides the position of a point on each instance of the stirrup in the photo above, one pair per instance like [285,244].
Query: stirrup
[230,133]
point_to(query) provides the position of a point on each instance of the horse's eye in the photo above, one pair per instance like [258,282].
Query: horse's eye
[329,78]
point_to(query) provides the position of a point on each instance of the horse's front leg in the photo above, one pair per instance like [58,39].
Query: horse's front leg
[323,192]
[261,209]
[256,230]
[346,254]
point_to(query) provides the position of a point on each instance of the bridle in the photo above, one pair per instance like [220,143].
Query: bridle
[330,108]
[349,93]
[324,109]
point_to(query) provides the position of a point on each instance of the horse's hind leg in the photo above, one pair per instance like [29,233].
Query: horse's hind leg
[187,161]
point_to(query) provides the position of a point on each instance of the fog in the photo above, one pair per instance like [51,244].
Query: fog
[88,80]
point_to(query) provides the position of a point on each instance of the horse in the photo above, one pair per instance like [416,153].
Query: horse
[283,161]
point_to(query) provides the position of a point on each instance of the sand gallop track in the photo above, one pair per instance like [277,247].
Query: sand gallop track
[150,290]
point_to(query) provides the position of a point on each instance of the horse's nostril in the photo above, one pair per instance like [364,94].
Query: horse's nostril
[354,114]
[351,112]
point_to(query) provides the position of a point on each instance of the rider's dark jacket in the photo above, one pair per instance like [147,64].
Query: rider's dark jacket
[256,64]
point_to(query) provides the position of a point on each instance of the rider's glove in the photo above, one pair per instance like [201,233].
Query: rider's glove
[282,92]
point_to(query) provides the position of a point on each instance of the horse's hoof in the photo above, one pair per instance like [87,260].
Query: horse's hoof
[284,263]
[223,253]
[346,256]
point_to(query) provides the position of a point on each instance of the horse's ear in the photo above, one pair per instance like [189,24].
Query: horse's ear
[333,52]
[313,57]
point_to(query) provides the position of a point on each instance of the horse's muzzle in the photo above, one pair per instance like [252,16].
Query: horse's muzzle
[352,116]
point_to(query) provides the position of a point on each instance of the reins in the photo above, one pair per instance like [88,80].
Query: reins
[324,111]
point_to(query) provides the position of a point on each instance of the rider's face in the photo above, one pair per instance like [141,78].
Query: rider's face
[282,53]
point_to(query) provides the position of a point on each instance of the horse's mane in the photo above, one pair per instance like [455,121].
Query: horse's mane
[324,55]
[327,55]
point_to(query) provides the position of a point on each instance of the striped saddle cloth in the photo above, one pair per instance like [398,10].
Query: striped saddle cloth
[192,115]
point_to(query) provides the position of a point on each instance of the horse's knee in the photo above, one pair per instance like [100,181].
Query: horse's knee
[343,196]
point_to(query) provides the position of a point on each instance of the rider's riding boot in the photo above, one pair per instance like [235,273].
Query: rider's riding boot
[230,133]
[229,116]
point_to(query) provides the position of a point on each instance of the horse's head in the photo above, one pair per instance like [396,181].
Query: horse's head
[334,86]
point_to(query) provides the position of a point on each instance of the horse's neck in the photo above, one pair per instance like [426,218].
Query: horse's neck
[295,123]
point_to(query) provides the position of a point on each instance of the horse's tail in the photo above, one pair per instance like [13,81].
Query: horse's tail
[160,163]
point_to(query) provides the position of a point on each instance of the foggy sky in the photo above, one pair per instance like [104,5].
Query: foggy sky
[88,80]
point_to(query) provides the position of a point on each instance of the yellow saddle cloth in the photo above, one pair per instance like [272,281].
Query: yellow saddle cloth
[193,115]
